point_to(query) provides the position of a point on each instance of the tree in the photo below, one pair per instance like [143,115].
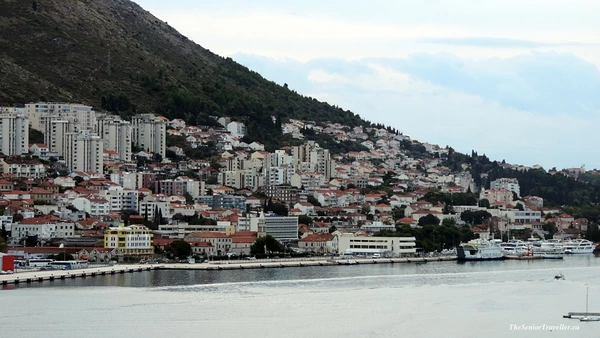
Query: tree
[188,198]
[429,220]
[484,203]
[2,245]
[268,242]
[180,249]
[304,219]
[550,227]
[4,233]
[519,206]
[332,229]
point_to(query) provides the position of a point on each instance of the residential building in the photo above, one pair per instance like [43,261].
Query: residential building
[150,133]
[120,198]
[219,241]
[84,151]
[79,116]
[511,184]
[319,243]
[94,206]
[14,134]
[133,240]
[23,168]
[116,134]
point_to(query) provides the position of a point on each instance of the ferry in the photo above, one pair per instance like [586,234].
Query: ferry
[579,246]
[478,249]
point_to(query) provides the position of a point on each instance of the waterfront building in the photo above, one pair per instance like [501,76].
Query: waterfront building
[133,240]
[385,246]
[279,227]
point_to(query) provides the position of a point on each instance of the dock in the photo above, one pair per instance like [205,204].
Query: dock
[28,277]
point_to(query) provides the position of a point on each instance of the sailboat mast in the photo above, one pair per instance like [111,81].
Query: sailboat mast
[587,289]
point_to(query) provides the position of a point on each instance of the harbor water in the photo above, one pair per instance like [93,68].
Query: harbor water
[437,299]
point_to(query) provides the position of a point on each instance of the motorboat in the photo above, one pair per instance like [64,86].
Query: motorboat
[560,276]
[579,246]
[479,249]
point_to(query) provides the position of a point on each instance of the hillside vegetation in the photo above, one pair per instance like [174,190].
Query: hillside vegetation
[114,55]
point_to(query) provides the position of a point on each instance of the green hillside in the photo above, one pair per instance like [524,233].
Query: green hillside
[112,54]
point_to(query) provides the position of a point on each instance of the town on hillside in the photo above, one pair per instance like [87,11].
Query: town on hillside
[94,186]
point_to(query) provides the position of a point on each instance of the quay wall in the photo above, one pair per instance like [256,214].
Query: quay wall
[44,276]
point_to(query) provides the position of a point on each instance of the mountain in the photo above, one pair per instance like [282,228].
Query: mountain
[114,55]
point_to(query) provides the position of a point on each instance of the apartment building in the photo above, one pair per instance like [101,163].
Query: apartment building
[84,151]
[14,134]
[149,132]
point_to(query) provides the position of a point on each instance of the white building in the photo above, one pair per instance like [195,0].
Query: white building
[14,134]
[55,135]
[150,133]
[237,129]
[280,228]
[362,245]
[94,206]
[120,199]
[130,240]
[79,117]
[511,184]
[116,134]
[84,152]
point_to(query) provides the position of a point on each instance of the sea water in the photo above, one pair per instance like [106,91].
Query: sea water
[436,299]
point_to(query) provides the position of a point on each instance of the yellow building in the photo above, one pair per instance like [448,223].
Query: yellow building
[129,240]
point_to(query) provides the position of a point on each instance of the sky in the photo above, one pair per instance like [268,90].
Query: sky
[515,80]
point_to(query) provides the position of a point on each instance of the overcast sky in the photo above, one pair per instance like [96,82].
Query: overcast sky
[516,80]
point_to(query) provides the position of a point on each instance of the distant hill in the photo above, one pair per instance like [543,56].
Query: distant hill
[114,55]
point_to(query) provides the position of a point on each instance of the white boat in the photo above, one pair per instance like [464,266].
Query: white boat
[479,249]
[579,246]
[515,248]
[549,250]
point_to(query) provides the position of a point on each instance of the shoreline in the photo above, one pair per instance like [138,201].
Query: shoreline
[30,277]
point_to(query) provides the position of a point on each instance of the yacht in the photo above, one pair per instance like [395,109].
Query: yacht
[479,249]
[579,246]
[549,250]
[515,248]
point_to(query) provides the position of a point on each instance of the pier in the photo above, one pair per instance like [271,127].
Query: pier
[29,277]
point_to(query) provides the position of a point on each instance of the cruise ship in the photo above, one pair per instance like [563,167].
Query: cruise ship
[579,246]
[478,249]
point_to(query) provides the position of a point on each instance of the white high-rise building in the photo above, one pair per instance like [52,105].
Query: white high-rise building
[116,134]
[150,133]
[14,133]
[55,135]
[84,151]
[81,117]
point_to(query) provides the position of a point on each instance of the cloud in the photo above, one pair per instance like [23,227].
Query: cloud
[500,42]
[495,106]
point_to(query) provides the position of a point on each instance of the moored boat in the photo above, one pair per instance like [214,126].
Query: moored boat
[579,246]
[479,249]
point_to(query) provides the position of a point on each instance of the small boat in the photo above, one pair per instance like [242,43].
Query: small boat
[560,276]
[349,262]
